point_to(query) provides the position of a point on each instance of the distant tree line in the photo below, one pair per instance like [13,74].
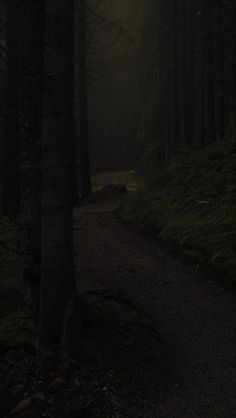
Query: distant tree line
[192,90]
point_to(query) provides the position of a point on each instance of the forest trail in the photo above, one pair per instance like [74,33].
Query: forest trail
[194,317]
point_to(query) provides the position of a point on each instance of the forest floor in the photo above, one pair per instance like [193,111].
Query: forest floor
[193,315]
[158,335]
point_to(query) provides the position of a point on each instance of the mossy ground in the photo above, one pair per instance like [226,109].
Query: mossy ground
[191,205]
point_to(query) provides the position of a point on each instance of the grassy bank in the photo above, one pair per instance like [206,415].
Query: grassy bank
[191,205]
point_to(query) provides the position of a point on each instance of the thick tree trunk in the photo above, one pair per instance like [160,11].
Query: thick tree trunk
[58,285]
[11,191]
[32,43]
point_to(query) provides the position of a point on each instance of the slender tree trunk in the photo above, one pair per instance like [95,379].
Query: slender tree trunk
[168,86]
[182,72]
[2,98]
[167,119]
[210,77]
[190,71]
[221,58]
[201,72]
[58,292]
[32,43]
[176,79]
[85,177]
[11,191]
[232,70]
[203,97]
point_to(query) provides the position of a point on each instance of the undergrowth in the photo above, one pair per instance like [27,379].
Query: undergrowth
[191,204]
[14,328]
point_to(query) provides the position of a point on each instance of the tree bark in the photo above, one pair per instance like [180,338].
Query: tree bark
[58,293]
[32,43]
[11,190]
[85,177]
[210,77]
[176,75]
[2,98]
[190,71]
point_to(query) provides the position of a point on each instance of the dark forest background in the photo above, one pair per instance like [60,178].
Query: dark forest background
[134,92]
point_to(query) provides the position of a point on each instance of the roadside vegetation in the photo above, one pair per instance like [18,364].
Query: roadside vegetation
[190,205]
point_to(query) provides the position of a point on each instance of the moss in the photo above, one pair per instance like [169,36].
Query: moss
[191,205]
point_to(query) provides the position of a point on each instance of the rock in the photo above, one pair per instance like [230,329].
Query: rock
[57,384]
[21,406]
[114,189]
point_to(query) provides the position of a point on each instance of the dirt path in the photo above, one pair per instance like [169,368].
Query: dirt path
[195,317]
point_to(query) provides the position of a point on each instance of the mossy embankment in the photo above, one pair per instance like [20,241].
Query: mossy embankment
[191,206]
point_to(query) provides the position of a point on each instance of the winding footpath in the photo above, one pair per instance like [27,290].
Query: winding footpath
[194,315]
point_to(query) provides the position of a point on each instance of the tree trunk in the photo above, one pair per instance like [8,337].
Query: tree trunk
[11,191]
[221,59]
[58,292]
[175,77]
[190,71]
[203,97]
[210,77]
[182,75]
[32,43]
[2,98]
[85,177]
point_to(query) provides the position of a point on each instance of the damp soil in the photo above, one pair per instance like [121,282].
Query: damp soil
[192,313]
[158,335]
